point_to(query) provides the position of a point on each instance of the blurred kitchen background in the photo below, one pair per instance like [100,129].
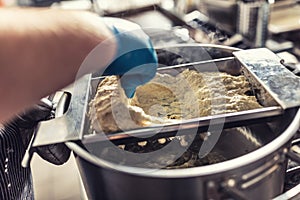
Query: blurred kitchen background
[274,24]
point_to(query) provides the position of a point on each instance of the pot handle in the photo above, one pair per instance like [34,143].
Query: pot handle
[229,187]
[290,194]
[293,154]
[293,193]
[67,124]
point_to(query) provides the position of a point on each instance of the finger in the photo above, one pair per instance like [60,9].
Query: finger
[136,77]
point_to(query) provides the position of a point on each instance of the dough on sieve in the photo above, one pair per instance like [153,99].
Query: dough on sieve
[187,95]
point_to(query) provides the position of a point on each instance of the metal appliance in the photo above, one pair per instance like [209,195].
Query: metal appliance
[255,168]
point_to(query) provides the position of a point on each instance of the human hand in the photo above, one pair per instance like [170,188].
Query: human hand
[52,43]
[135,60]
[15,136]
[24,125]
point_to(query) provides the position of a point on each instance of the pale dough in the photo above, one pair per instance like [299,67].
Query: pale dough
[191,94]
[109,111]
[188,95]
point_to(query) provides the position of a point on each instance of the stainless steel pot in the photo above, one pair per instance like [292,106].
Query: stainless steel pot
[256,154]
[256,175]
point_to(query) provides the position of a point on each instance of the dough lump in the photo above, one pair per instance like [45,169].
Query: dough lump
[187,95]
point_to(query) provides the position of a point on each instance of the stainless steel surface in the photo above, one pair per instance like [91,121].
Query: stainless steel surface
[108,180]
[260,173]
[191,183]
[257,20]
[69,126]
[53,184]
[57,182]
[74,125]
[232,143]
[252,21]
[265,165]
[292,194]
[169,130]
[228,65]
[277,80]
[281,131]
[292,174]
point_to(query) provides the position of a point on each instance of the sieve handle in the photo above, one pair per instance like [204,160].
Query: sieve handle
[61,108]
[66,126]
[69,126]
[267,70]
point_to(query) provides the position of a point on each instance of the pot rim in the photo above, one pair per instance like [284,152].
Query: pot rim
[232,164]
[228,165]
